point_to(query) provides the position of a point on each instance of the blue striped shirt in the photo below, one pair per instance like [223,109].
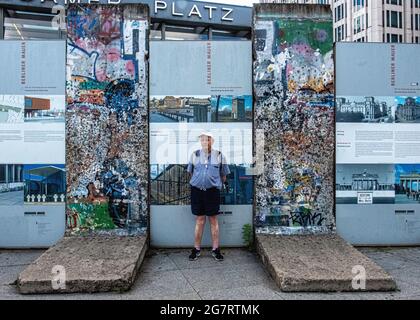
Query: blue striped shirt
[207,169]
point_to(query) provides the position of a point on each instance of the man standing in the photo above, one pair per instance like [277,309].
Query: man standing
[208,171]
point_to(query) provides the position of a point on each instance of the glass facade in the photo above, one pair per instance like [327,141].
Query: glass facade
[37,23]
[26,25]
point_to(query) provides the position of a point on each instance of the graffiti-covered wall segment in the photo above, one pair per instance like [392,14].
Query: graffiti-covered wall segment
[106,121]
[293,81]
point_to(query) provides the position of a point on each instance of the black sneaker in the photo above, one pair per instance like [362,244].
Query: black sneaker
[194,254]
[217,255]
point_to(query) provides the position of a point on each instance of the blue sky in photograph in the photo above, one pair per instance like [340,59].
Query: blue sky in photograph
[405,168]
[401,100]
[226,102]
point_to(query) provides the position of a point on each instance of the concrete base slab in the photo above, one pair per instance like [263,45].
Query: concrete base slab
[87,264]
[318,263]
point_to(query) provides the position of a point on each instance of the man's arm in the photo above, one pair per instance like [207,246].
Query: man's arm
[190,167]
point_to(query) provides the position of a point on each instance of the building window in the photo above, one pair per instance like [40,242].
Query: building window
[25,25]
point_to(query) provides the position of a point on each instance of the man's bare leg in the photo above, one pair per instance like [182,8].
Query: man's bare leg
[199,228]
[214,223]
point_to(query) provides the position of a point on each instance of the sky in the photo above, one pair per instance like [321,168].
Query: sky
[405,168]
[401,100]
[226,102]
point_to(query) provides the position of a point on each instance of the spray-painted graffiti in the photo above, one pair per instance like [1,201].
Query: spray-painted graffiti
[293,76]
[106,121]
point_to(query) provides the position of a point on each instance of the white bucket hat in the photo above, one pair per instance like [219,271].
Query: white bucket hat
[206,133]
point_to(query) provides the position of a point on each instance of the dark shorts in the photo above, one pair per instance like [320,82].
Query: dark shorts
[205,203]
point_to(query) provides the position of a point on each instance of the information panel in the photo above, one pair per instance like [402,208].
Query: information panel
[378,143]
[199,86]
[32,143]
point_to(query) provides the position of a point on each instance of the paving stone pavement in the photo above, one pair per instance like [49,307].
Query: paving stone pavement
[167,274]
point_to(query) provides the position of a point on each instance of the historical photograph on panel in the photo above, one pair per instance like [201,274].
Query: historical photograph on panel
[44,183]
[370,109]
[11,184]
[201,108]
[44,108]
[11,108]
[365,184]
[407,110]
[407,183]
[366,109]
[170,185]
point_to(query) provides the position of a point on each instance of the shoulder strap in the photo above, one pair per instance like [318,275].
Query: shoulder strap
[220,162]
[196,154]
